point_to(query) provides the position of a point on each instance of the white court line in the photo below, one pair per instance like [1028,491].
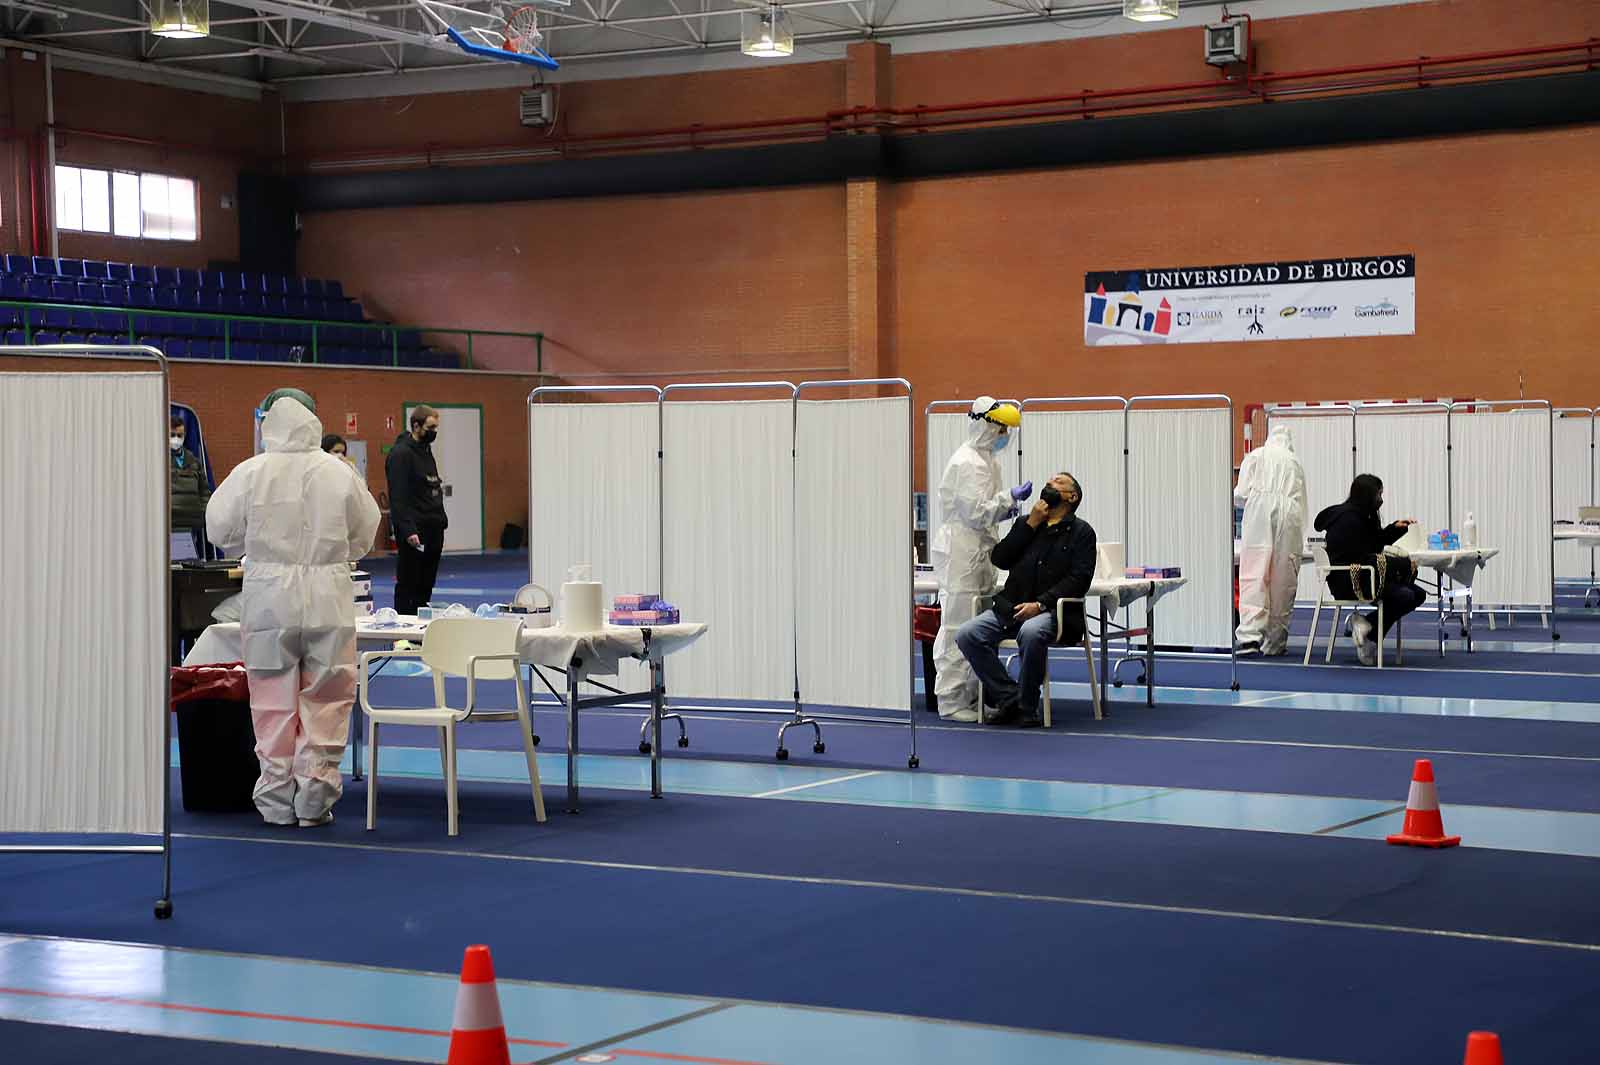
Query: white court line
[921,889]
[1265,699]
[816,784]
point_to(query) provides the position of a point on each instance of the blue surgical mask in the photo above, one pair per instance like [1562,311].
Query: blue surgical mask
[1001,441]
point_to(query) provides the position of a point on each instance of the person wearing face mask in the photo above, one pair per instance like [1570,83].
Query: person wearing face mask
[1050,556]
[1272,485]
[973,500]
[1356,538]
[190,490]
[416,510]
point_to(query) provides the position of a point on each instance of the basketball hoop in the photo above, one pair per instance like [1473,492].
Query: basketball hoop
[521,32]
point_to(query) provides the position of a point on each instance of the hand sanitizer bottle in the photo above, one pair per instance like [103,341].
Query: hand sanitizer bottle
[1469,532]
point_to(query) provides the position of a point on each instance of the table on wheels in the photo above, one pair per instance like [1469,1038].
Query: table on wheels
[1453,574]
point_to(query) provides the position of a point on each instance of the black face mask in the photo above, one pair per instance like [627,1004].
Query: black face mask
[1050,496]
[430,435]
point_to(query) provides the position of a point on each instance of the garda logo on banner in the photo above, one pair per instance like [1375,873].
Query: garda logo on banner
[1301,300]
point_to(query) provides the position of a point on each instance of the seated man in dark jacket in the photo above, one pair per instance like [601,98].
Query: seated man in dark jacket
[1050,556]
[1357,538]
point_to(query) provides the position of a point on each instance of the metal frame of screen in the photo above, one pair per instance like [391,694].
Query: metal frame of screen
[136,353]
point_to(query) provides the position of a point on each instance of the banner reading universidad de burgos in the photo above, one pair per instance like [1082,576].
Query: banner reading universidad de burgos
[1368,296]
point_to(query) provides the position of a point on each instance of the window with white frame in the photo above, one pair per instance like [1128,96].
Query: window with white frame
[125,204]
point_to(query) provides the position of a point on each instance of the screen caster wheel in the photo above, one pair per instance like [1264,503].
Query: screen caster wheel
[644,748]
[1116,684]
[683,741]
[819,747]
[163,909]
[783,754]
[536,741]
[913,762]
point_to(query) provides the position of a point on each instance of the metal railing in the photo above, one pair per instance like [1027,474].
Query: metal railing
[314,344]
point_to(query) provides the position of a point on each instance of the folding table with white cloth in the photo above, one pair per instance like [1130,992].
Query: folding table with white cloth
[1114,594]
[1453,574]
[581,656]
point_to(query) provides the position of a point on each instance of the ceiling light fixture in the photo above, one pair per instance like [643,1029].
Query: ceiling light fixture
[767,34]
[181,20]
[1150,10]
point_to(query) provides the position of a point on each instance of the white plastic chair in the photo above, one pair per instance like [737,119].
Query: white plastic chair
[474,648]
[980,603]
[1319,555]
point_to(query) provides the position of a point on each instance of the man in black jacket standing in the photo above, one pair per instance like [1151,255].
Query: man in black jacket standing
[416,510]
[1050,556]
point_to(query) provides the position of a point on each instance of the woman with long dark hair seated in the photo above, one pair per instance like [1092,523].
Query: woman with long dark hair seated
[1356,538]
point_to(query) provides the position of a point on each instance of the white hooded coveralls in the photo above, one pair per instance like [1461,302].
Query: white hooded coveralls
[972,501]
[1272,485]
[300,517]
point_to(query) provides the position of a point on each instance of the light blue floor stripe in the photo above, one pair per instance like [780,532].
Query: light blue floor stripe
[74,979]
[1542,831]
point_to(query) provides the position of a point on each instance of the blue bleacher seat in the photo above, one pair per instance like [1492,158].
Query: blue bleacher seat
[114,295]
[74,338]
[210,300]
[88,292]
[10,316]
[15,337]
[147,324]
[36,290]
[95,270]
[44,266]
[176,347]
[233,281]
[189,299]
[181,327]
[295,306]
[63,291]
[72,268]
[211,279]
[332,290]
[228,302]
[143,275]
[167,299]
[313,288]
[272,331]
[297,334]
[202,348]
[50,318]
[187,278]
[246,350]
[46,338]
[19,264]
[11,287]
[166,275]
[410,338]
[119,272]
[250,303]
[102,339]
[277,284]
[110,322]
[274,306]
[82,321]
[246,330]
[141,296]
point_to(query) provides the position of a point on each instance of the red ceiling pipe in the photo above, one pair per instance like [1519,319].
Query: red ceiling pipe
[836,120]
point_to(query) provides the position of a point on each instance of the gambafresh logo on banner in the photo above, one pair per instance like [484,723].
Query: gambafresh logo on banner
[1306,299]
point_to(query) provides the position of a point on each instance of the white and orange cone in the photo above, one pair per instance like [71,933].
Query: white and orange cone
[478,1034]
[1424,825]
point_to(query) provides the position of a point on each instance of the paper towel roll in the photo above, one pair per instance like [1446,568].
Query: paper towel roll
[581,607]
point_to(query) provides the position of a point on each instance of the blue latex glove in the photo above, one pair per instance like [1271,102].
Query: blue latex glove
[1022,491]
[1008,515]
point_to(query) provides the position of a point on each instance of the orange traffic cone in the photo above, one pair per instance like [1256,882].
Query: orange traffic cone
[1483,1048]
[1424,826]
[478,1035]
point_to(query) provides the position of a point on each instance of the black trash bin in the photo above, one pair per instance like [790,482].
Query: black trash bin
[216,740]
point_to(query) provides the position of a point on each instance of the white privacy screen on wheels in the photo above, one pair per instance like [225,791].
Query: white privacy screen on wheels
[83,672]
[727,476]
[946,432]
[594,491]
[1574,487]
[1501,477]
[1322,443]
[1410,454]
[853,469]
[1180,510]
[1086,444]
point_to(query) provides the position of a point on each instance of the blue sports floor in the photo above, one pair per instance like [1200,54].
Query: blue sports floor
[1204,881]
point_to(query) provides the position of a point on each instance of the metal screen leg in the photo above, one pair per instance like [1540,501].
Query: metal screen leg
[658,691]
[1150,652]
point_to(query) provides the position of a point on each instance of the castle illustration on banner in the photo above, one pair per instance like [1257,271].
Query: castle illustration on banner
[1123,318]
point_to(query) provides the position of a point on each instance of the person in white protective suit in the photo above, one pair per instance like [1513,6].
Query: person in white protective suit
[300,516]
[972,501]
[1272,485]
